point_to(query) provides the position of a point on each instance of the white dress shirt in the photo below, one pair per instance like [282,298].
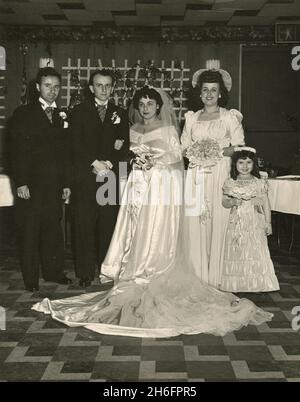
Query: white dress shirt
[45,104]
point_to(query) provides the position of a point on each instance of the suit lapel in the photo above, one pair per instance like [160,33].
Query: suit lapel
[93,109]
[40,114]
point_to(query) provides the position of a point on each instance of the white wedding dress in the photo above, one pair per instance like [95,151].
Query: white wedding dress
[156,293]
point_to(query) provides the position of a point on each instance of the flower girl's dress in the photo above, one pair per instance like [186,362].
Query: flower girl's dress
[247,263]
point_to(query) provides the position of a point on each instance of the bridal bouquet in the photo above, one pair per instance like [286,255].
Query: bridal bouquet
[204,153]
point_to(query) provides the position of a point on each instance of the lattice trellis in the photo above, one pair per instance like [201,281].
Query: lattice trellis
[173,79]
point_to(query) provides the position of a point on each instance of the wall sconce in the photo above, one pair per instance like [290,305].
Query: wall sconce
[46,62]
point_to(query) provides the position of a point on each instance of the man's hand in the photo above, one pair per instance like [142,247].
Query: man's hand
[23,192]
[99,167]
[66,193]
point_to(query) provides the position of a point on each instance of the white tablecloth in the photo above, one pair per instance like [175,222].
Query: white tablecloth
[284,196]
[6,193]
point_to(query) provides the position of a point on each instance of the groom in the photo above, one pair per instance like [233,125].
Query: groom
[40,166]
[99,133]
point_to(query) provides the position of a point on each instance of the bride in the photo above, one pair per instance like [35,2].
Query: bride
[155,292]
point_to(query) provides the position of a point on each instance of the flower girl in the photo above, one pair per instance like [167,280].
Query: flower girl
[247,265]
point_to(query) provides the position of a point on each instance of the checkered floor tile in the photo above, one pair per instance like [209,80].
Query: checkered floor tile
[35,348]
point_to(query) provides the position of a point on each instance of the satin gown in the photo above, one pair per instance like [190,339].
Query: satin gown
[155,292]
[247,263]
[206,226]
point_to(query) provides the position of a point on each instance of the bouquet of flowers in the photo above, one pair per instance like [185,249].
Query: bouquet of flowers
[242,191]
[204,153]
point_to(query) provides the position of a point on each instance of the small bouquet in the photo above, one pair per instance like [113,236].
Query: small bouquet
[204,153]
[245,192]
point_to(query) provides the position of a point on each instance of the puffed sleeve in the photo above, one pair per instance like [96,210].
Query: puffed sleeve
[235,127]
[186,136]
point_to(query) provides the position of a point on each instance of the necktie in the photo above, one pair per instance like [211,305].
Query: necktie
[101,111]
[49,112]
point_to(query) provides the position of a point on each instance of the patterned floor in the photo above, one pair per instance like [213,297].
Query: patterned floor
[36,348]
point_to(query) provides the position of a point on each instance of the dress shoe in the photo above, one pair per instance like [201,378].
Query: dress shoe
[31,288]
[63,280]
[85,282]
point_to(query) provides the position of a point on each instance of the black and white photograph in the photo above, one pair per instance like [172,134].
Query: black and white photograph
[149,193]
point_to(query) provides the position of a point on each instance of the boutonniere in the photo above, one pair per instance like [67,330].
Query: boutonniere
[118,144]
[115,118]
[63,116]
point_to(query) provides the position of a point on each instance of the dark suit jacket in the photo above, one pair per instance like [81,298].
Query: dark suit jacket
[91,139]
[39,150]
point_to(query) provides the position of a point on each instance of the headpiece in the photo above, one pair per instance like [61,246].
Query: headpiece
[249,149]
[213,65]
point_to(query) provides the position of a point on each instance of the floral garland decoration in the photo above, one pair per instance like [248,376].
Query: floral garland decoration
[36,33]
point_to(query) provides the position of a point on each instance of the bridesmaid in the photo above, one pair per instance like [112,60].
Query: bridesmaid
[205,229]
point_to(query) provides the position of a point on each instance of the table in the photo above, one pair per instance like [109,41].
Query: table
[284,195]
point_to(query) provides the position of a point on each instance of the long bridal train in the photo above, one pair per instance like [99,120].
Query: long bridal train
[156,292]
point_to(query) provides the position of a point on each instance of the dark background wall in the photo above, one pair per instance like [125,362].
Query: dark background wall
[270,99]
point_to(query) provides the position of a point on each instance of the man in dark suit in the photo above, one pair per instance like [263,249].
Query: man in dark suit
[99,133]
[40,171]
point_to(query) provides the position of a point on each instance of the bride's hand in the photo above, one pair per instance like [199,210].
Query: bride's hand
[144,162]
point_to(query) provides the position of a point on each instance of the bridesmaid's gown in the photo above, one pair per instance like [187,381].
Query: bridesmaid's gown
[206,234]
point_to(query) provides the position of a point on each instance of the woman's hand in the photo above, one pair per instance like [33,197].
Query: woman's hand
[228,151]
[236,202]
[144,162]
[268,229]
[229,202]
